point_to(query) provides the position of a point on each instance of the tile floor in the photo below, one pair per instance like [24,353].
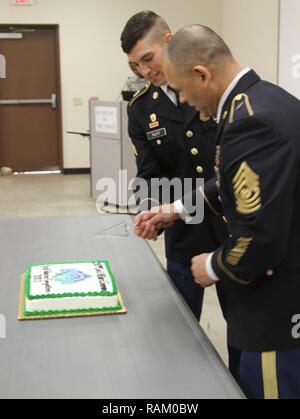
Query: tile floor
[57,195]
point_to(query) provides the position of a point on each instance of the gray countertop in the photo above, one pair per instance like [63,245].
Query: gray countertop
[156,350]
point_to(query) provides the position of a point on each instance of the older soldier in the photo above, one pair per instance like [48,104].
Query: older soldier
[257,161]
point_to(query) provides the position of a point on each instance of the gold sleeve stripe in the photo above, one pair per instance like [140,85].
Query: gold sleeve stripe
[208,203]
[246,187]
[238,98]
[230,274]
[238,252]
[269,372]
[140,93]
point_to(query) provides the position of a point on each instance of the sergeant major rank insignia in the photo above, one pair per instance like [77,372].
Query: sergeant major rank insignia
[246,187]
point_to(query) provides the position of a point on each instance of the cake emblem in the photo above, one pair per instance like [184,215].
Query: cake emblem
[70,276]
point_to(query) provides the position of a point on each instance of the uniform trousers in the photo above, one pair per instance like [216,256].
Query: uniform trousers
[193,293]
[270,375]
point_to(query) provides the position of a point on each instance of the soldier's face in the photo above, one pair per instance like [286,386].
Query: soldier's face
[147,59]
[195,89]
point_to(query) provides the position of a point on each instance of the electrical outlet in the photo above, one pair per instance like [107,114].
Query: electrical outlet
[78,101]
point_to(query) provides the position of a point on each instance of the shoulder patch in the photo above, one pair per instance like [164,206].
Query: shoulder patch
[240,100]
[140,93]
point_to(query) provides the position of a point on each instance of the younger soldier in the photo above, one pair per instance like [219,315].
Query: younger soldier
[172,140]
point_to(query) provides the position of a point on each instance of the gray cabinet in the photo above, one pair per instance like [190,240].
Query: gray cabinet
[112,156]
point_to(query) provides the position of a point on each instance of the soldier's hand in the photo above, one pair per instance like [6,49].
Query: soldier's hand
[141,218]
[143,229]
[163,216]
[148,224]
[199,271]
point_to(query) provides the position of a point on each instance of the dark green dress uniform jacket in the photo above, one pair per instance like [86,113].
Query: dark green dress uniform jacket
[172,142]
[258,160]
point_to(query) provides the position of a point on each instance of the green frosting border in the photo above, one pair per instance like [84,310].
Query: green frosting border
[80,311]
[77,294]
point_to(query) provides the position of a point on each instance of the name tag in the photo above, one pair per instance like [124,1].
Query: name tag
[159,133]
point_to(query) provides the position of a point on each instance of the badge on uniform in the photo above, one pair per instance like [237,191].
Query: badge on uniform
[159,133]
[154,123]
[203,117]
[217,166]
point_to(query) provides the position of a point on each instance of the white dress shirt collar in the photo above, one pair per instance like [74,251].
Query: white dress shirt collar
[170,93]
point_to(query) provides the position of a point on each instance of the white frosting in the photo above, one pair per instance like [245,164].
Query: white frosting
[71,303]
[56,280]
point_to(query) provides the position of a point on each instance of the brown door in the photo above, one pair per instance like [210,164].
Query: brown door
[30,131]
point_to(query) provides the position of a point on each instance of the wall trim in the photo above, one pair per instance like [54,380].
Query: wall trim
[80,171]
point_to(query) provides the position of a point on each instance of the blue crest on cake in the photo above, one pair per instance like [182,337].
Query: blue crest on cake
[70,276]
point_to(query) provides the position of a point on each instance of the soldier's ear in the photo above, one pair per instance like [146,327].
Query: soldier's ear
[168,38]
[203,73]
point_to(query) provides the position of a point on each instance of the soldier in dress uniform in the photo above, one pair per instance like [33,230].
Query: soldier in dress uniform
[169,141]
[172,140]
[258,167]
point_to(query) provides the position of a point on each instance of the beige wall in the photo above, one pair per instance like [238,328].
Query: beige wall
[92,63]
[251,29]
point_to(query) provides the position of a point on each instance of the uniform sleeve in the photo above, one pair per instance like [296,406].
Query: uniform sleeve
[148,167]
[209,193]
[258,176]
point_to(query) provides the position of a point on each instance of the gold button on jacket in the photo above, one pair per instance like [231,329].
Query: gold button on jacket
[189,134]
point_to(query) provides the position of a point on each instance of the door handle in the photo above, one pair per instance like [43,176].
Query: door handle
[51,101]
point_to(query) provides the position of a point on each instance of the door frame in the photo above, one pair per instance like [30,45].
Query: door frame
[58,78]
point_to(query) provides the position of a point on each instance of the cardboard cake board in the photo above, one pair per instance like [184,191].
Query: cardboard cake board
[21,315]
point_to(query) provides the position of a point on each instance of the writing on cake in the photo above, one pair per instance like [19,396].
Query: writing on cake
[70,286]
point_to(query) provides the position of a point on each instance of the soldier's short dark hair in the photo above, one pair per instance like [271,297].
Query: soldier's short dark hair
[139,26]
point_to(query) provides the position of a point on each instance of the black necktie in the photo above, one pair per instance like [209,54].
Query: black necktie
[179,104]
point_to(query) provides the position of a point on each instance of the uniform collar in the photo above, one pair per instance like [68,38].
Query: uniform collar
[229,89]
[189,112]
[162,105]
[243,84]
